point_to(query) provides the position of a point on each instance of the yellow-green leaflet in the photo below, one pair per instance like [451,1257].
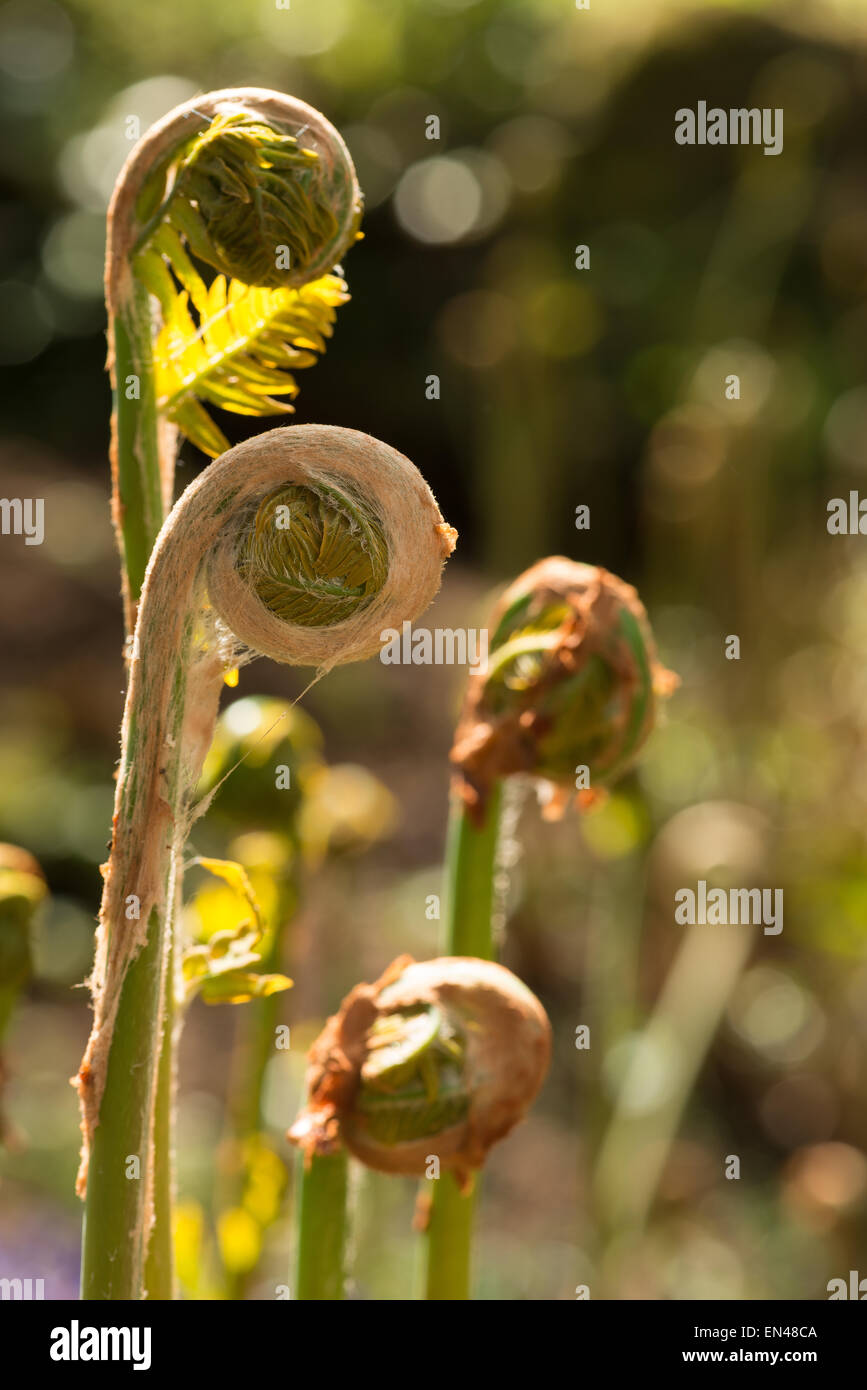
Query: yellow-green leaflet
[241,353]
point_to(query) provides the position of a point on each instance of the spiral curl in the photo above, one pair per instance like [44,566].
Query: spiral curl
[314,556]
[242,189]
[246,185]
[441,1057]
[356,504]
[572,680]
[209,603]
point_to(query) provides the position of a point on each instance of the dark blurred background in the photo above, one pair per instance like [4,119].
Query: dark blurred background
[558,387]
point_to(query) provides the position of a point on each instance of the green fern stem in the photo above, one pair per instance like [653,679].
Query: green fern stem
[244,164]
[159,1275]
[139,497]
[471,850]
[141,494]
[322,1225]
[127,1249]
[113,1246]
[449,1241]
[253,1049]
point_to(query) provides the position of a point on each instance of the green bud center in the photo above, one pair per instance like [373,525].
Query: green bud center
[314,556]
[412,1081]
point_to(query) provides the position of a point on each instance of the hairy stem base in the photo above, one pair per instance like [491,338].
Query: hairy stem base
[116,1218]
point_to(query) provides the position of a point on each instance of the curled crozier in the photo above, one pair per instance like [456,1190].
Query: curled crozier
[255,170]
[572,686]
[438,1058]
[255,186]
[301,544]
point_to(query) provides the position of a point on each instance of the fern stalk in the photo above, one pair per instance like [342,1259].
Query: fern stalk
[126,1248]
[142,457]
[252,1050]
[159,1272]
[214,177]
[471,850]
[200,614]
[139,506]
[568,696]
[322,1226]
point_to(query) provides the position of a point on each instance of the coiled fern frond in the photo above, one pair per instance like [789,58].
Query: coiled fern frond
[238,190]
[259,207]
[225,233]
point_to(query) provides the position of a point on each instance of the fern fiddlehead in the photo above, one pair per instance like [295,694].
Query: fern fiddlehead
[570,694]
[261,188]
[207,603]
[573,682]
[245,182]
[243,189]
[437,1060]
